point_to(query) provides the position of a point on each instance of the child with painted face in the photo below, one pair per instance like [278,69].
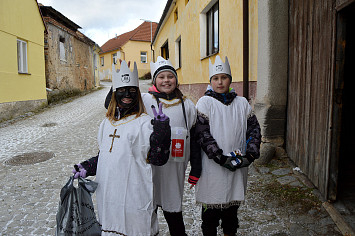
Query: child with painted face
[169,179]
[229,135]
[129,146]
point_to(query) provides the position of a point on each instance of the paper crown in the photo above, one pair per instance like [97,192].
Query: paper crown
[219,67]
[161,65]
[125,77]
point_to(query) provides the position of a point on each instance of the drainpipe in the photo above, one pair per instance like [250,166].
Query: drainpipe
[246,49]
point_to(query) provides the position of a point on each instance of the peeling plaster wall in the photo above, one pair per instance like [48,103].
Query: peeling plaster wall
[76,71]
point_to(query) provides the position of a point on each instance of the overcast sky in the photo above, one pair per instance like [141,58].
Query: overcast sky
[101,20]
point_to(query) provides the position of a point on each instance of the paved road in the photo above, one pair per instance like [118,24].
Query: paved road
[29,194]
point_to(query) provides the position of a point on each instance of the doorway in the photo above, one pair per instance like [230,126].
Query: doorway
[346,168]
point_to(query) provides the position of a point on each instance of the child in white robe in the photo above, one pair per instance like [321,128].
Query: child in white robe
[229,135]
[129,146]
[169,179]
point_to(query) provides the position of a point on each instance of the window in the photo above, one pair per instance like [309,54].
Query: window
[95,61]
[102,61]
[165,50]
[143,57]
[178,52]
[62,48]
[176,16]
[114,58]
[22,56]
[212,30]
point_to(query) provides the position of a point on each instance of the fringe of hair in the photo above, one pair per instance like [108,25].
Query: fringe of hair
[113,106]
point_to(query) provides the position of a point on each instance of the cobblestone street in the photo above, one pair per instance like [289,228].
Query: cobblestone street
[29,194]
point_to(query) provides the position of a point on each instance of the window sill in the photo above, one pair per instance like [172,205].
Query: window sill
[24,73]
[203,58]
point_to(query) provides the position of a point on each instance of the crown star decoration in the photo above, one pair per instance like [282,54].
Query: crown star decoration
[219,67]
[125,77]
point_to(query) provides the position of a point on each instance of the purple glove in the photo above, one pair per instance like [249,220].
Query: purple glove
[79,171]
[159,116]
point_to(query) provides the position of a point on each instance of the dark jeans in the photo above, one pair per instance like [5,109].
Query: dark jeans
[175,222]
[211,217]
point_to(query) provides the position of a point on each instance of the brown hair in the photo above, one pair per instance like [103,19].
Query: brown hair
[111,111]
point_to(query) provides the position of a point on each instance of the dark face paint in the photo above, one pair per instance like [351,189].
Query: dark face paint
[126,97]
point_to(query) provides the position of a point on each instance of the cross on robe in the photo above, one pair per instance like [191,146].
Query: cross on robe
[113,137]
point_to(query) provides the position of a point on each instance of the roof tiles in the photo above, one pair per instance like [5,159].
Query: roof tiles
[141,33]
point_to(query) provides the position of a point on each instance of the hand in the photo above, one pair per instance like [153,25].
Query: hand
[233,163]
[192,180]
[79,171]
[247,160]
[159,116]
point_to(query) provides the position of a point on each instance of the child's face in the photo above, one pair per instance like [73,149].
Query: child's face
[165,82]
[126,97]
[220,83]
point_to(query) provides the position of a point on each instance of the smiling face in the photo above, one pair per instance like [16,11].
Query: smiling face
[165,82]
[220,83]
[126,97]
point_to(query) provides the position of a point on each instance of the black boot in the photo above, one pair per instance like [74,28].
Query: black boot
[175,223]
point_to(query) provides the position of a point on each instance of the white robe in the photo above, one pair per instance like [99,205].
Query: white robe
[217,185]
[169,179]
[125,188]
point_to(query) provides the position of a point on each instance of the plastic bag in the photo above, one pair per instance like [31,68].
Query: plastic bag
[76,215]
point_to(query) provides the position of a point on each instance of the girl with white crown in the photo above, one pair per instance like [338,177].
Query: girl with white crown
[129,146]
[169,179]
[229,134]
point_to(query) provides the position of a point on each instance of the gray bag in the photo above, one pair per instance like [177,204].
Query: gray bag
[76,215]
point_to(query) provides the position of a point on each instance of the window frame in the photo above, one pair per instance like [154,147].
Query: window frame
[146,57]
[212,30]
[102,61]
[178,52]
[114,58]
[62,55]
[22,57]
[165,50]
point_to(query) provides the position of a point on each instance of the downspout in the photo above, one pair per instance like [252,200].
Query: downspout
[246,49]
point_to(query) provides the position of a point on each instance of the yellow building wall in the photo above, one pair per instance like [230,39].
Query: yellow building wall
[132,52]
[105,71]
[21,20]
[194,67]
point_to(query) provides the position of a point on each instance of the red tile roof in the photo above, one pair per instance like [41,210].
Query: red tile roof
[141,33]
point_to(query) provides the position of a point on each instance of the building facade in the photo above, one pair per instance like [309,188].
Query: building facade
[191,32]
[22,65]
[133,46]
[69,54]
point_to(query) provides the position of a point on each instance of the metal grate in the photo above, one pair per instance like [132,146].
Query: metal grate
[29,158]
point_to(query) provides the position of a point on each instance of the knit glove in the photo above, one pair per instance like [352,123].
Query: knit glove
[245,160]
[160,116]
[228,162]
[79,171]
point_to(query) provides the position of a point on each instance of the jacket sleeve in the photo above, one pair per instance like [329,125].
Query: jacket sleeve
[91,165]
[253,137]
[195,157]
[160,141]
[204,138]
